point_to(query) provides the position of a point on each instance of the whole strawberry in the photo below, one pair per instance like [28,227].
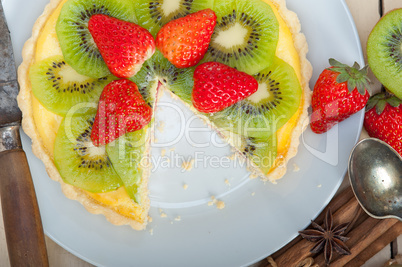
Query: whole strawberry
[121,109]
[383,119]
[339,92]
[123,45]
[184,41]
[218,86]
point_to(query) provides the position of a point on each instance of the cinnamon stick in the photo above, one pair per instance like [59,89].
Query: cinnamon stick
[338,201]
[301,249]
[360,239]
[376,246]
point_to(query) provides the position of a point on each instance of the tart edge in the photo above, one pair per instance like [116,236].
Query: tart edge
[24,100]
[25,103]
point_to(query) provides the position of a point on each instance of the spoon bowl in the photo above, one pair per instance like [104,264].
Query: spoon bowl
[375,173]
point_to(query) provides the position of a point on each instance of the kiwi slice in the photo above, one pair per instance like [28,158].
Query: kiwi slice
[76,42]
[147,82]
[264,112]
[127,155]
[384,51]
[157,70]
[245,36]
[153,14]
[179,81]
[59,87]
[262,152]
[79,162]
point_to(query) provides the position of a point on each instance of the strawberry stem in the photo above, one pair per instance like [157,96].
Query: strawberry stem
[353,76]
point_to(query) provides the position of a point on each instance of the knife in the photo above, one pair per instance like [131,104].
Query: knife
[22,221]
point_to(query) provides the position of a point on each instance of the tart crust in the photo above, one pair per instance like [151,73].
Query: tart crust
[25,102]
[112,214]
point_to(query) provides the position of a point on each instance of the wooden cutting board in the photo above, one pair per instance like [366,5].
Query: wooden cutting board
[367,236]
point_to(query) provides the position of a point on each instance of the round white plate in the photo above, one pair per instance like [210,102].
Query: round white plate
[187,230]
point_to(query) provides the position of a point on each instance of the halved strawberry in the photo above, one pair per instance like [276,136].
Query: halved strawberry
[121,109]
[218,86]
[383,119]
[184,41]
[123,45]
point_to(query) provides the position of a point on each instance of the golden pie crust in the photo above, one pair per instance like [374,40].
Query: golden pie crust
[118,214]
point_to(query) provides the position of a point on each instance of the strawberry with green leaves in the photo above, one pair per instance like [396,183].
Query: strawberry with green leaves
[218,86]
[339,92]
[121,109]
[184,41]
[383,119]
[123,45]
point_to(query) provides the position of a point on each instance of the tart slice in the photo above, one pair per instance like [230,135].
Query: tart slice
[63,74]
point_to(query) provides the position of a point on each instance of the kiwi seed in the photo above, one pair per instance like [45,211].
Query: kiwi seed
[264,112]
[75,155]
[59,87]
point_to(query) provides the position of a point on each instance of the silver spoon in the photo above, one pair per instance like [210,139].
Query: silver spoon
[375,174]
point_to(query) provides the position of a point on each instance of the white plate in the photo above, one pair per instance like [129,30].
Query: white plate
[258,217]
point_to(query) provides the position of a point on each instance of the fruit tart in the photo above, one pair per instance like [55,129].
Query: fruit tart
[81,80]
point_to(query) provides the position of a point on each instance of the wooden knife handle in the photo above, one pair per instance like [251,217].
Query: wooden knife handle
[22,221]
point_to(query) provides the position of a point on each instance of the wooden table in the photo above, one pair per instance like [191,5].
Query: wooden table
[366,14]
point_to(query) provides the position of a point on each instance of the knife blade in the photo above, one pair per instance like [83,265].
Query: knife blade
[22,222]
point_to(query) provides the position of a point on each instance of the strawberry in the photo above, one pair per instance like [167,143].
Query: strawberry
[123,45]
[217,86]
[184,41]
[383,119]
[121,109]
[339,92]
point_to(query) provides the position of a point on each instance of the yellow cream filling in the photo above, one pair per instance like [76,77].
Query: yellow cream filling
[48,123]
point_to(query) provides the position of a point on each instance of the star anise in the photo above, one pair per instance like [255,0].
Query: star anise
[328,238]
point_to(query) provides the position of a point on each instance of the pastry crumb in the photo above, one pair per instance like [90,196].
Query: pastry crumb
[177,219]
[220,204]
[232,157]
[295,167]
[212,202]
[185,186]
[163,152]
[227,182]
[161,126]
[319,186]
[162,214]
[187,165]
[149,219]
[253,194]
[254,175]
[151,231]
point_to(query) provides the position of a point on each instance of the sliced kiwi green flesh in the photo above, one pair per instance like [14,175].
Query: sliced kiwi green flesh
[245,36]
[264,112]
[76,42]
[384,51]
[262,152]
[127,156]
[78,161]
[147,82]
[59,88]
[153,14]
[179,81]
[159,70]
